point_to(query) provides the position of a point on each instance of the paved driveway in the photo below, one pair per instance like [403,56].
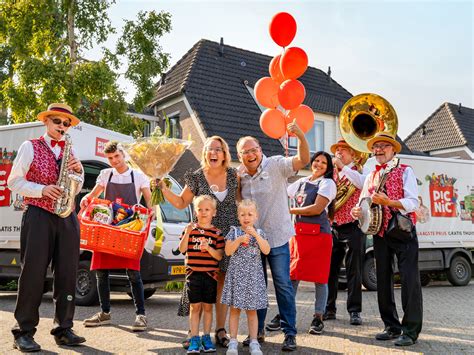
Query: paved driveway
[447,328]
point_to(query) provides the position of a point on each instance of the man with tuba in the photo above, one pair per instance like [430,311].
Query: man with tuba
[348,239]
[46,236]
[393,187]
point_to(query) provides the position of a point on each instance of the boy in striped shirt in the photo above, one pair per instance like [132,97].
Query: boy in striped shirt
[203,245]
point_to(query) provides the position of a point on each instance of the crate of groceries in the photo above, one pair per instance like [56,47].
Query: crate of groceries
[115,228]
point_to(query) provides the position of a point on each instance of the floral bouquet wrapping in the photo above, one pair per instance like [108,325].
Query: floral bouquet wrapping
[156,156]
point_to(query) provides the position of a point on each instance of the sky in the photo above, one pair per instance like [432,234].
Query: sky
[416,54]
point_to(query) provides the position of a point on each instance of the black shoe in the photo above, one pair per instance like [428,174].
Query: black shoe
[355,318]
[329,315]
[26,344]
[387,334]
[404,340]
[317,326]
[260,338]
[289,344]
[274,324]
[68,338]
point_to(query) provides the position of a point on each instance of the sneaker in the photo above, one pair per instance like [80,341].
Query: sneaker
[329,315]
[97,320]
[140,323]
[355,318]
[260,338]
[232,347]
[255,348]
[274,324]
[289,344]
[195,345]
[207,345]
[317,326]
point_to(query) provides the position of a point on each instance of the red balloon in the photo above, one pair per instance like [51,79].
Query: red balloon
[291,94]
[272,123]
[293,63]
[266,92]
[275,71]
[282,28]
[304,116]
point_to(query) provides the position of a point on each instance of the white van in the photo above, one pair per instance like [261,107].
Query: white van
[88,143]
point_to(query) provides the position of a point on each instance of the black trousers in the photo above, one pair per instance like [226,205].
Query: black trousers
[46,238]
[412,303]
[352,252]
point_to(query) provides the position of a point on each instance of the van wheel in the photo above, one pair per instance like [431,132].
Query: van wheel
[86,285]
[369,276]
[147,293]
[459,272]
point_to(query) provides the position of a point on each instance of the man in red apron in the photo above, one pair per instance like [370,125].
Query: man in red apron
[119,182]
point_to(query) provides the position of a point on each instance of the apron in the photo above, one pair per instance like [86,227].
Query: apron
[128,195]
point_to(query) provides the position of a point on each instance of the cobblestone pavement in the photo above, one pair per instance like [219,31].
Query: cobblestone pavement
[447,328]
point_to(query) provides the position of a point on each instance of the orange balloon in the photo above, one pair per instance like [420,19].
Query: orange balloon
[291,94]
[272,123]
[304,116]
[293,63]
[275,71]
[266,92]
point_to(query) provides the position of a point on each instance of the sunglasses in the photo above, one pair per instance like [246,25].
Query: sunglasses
[58,121]
[381,146]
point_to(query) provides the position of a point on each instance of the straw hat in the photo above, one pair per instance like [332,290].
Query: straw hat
[58,109]
[384,137]
[340,143]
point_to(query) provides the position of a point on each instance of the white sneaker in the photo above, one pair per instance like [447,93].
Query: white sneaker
[255,348]
[140,323]
[232,347]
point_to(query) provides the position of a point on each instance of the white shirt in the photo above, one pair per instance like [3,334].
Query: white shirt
[410,190]
[356,178]
[327,187]
[140,179]
[17,180]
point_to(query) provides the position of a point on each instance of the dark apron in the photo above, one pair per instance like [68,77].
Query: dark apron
[126,192]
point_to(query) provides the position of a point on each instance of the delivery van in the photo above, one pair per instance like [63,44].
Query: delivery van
[88,144]
[445,220]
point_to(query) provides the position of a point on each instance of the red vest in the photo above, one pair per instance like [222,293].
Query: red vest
[343,214]
[394,190]
[43,170]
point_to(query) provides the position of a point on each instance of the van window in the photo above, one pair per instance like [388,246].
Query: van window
[170,213]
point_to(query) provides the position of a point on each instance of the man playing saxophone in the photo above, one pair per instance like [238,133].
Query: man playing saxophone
[348,239]
[46,236]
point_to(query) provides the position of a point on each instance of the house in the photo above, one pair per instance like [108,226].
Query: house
[448,132]
[209,91]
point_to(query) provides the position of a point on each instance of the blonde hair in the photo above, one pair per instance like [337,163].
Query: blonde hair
[198,199]
[247,203]
[244,139]
[225,149]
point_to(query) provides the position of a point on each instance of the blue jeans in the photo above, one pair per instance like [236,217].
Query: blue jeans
[320,296]
[279,261]
[136,284]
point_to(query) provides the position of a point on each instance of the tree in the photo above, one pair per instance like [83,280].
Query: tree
[41,59]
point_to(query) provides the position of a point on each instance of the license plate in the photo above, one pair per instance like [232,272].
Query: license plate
[177,270]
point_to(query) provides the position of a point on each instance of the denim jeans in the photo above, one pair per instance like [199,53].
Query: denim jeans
[279,261]
[320,296]
[136,284]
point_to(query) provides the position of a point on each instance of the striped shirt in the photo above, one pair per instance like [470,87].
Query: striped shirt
[200,260]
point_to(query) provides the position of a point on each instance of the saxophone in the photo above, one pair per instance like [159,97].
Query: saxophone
[68,182]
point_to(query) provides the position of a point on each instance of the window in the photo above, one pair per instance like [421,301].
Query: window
[315,138]
[175,128]
[170,213]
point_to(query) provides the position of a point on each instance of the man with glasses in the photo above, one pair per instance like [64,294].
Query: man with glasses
[264,179]
[45,237]
[399,193]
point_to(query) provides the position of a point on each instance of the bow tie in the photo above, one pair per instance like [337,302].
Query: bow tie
[60,143]
[379,167]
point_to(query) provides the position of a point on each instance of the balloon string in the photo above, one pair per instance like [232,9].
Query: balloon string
[286,144]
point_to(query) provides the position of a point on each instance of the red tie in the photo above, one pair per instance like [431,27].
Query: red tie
[60,143]
[379,167]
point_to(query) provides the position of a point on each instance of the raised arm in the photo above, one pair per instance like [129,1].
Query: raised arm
[180,201]
[302,157]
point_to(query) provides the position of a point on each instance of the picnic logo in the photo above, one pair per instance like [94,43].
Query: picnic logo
[443,195]
[99,146]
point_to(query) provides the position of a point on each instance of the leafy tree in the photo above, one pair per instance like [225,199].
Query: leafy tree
[41,59]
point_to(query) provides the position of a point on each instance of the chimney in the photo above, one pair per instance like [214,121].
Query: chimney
[221,47]
[163,79]
[459,108]
[329,74]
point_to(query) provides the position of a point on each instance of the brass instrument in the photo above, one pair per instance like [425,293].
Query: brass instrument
[361,118]
[68,181]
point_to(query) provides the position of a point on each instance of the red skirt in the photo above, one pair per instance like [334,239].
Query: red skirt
[110,261]
[310,254]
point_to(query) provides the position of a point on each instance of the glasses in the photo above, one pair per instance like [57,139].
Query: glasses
[58,121]
[215,150]
[250,151]
[381,146]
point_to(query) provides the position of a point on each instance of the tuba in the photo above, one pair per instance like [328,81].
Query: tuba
[68,181]
[360,119]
